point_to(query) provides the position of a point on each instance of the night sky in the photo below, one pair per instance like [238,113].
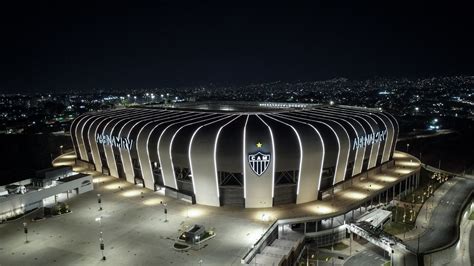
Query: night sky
[118,44]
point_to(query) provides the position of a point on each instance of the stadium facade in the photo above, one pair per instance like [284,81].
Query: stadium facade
[249,155]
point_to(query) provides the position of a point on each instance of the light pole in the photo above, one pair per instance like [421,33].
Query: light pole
[198,237]
[99,201]
[165,210]
[25,230]
[408,145]
[102,247]
[391,257]
[101,237]
[61,148]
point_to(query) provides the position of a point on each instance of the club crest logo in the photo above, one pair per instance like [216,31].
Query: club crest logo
[259,162]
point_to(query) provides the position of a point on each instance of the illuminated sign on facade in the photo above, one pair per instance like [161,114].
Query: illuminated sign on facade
[121,143]
[259,162]
[363,141]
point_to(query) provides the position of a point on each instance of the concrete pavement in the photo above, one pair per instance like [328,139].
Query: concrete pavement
[134,232]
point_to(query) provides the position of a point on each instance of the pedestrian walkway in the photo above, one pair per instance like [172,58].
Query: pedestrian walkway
[354,194]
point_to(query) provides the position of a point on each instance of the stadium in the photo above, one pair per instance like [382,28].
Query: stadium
[237,154]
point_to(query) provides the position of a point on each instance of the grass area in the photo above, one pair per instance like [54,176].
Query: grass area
[397,215]
[323,257]
[395,228]
[471,216]
[337,246]
[387,263]
[417,194]
[425,181]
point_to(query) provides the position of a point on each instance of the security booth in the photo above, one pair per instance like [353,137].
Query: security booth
[195,234]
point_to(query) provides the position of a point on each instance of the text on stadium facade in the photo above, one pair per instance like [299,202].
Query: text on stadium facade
[122,143]
[369,139]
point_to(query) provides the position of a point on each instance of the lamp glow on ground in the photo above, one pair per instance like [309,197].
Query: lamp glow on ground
[399,155]
[68,156]
[101,179]
[402,171]
[194,212]
[133,193]
[152,201]
[264,216]
[386,178]
[321,209]
[79,169]
[116,185]
[56,164]
[373,186]
[409,164]
[353,195]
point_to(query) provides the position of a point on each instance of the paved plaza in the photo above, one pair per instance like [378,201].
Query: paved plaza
[135,232]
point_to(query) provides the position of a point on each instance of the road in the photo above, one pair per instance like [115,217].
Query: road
[422,136]
[371,255]
[443,225]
